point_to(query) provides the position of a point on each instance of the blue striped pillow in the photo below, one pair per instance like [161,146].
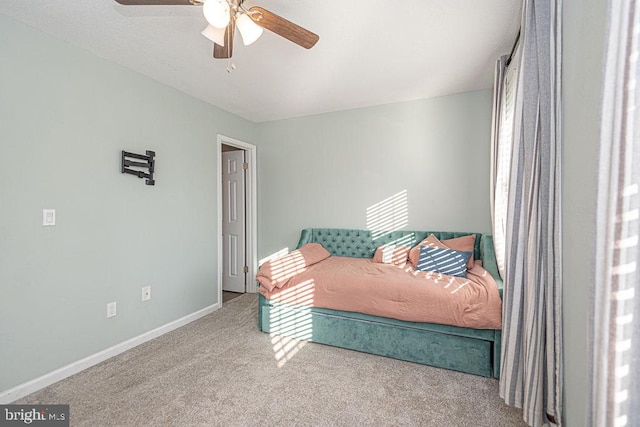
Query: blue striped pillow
[445,261]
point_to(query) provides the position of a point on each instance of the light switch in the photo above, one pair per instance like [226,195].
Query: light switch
[48,217]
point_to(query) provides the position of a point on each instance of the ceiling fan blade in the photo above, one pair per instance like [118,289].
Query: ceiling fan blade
[156,2]
[283,28]
[225,52]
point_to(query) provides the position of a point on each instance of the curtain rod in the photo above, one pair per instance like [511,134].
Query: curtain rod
[513,49]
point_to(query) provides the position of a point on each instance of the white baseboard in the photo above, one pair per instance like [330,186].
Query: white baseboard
[24,389]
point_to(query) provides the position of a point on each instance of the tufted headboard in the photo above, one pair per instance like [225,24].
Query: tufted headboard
[363,243]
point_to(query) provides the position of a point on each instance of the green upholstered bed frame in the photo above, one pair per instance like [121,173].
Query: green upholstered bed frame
[475,351]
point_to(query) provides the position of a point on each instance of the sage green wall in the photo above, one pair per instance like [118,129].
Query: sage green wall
[65,114]
[583,41]
[326,170]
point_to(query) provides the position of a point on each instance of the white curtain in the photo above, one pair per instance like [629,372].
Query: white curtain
[615,311]
[505,88]
[496,187]
[531,370]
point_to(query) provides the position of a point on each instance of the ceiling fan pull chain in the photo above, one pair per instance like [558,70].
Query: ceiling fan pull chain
[230,66]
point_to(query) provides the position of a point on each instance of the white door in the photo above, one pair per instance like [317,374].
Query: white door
[233,221]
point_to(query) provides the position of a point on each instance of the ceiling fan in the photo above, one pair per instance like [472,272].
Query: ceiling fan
[223,16]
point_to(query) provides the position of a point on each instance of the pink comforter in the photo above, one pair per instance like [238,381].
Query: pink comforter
[360,285]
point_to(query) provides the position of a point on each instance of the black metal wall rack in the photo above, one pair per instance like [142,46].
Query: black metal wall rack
[148,163]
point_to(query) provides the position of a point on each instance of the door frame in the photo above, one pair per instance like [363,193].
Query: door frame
[251,210]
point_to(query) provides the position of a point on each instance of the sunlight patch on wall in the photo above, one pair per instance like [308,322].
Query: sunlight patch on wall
[391,214]
[290,322]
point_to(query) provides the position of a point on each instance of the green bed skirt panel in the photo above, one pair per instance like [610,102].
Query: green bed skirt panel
[443,350]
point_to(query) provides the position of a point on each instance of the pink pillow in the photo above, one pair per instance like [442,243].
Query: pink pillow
[391,254]
[277,272]
[464,243]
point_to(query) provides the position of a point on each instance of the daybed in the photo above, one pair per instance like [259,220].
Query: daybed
[475,351]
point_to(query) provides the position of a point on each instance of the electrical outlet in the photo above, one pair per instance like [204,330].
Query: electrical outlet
[146,293]
[48,217]
[111,309]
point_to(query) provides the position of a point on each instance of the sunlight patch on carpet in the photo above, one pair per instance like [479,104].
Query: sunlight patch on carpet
[291,321]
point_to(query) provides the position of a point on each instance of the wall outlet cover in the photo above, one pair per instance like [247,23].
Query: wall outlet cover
[48,217]
[111,309]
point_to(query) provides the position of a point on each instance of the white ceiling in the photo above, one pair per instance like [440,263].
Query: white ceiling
[370,52]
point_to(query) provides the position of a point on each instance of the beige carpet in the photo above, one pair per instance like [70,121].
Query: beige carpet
[220,370]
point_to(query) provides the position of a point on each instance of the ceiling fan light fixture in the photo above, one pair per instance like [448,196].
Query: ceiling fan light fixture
[249,30]
[217,13]
[214,34]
